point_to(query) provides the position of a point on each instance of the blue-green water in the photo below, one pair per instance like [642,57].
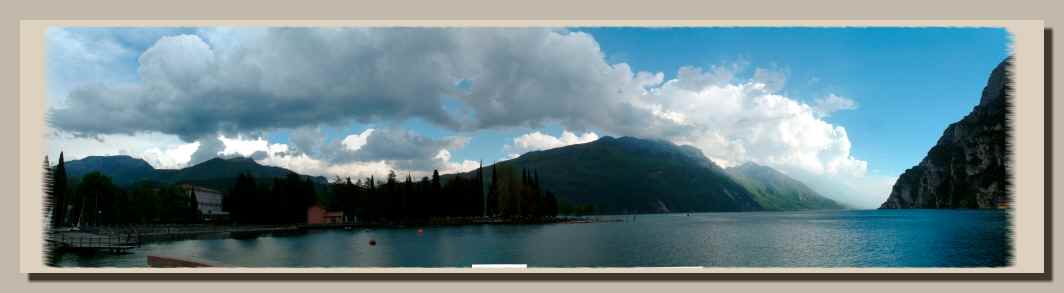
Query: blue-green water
[887,238]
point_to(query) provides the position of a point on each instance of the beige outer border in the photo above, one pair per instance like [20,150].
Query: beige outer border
[1029,142]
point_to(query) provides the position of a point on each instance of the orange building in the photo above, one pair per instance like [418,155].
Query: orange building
[316,214]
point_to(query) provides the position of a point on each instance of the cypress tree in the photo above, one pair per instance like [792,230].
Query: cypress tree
[480,191]
[436,187]
[493,193]
[193,205]
[436,195]
[49,195]
[535,180]
[59,193]
[407,205]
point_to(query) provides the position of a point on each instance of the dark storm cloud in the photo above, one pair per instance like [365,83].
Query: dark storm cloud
[235,81]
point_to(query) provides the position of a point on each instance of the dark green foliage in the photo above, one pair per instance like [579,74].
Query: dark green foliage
[243,201]
[282,201]
[510,196]
[285,199]
[418,202]
[493,193]
[192,210]
[146,195]
[100,202]
[95,201]
[148,204]
[59,193]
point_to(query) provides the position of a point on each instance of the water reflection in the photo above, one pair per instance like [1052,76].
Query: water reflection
[761,239]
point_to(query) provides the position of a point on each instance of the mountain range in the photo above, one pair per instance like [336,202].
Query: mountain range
[632,175]
[215,173]
[615,175]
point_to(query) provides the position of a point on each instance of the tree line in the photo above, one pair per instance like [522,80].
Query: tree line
[510,194]
[95,200]
[393,200]
[280,201]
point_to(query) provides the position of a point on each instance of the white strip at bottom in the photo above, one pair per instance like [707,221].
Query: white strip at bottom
[500,266]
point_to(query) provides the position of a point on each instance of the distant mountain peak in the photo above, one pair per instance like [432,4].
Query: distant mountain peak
[750,165]
[123,160]
[241,159]
[229,160]
[747,164]
[111,157]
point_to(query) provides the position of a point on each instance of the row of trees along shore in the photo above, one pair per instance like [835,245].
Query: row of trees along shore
[393,200]
[95,200]
[511,195]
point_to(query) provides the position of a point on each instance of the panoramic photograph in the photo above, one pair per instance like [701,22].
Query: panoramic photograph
[527,147]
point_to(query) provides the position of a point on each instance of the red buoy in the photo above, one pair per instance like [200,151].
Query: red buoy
[372,242]
[419,231]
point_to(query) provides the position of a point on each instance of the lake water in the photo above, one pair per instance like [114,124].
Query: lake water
[873,238]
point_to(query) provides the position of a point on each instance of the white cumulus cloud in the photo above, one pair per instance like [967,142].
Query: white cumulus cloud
[356,141]
[540,141]
[735,121]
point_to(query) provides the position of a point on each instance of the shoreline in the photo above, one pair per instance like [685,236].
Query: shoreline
[139,235]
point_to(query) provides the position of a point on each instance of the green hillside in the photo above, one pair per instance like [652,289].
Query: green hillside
[775,191]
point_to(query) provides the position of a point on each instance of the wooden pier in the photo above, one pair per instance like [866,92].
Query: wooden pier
[82,241]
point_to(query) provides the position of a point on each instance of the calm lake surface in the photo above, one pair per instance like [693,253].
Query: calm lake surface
[871,238]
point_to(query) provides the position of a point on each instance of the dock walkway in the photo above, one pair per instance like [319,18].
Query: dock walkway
[83,241]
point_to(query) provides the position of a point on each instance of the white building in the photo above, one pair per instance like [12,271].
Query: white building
[209,200]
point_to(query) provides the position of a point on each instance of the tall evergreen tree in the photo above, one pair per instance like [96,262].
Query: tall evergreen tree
[193,207]
[407,209]
[436,197]
[436,187]
[60,194]
[480,191]
[49,196]
[493,193]
[243,204]
[96,193]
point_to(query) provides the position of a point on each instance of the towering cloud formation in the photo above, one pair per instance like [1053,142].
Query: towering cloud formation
[249,81]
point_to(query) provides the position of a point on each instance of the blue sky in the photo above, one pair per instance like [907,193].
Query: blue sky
[501,93]
[909,83]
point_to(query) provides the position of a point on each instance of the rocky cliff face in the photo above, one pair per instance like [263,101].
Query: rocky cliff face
[967,168]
